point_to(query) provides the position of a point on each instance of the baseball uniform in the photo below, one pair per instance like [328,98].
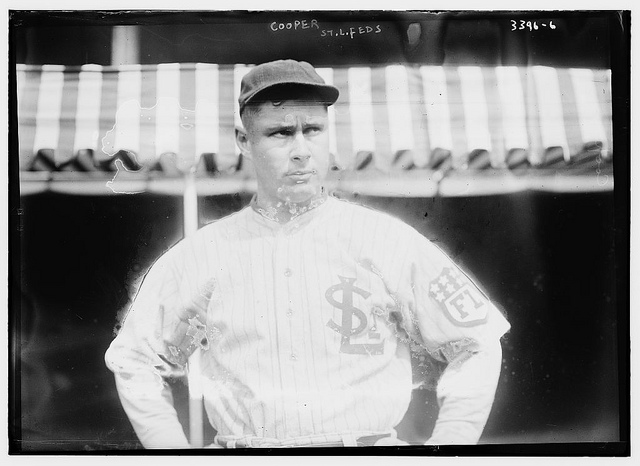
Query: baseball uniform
[306,329]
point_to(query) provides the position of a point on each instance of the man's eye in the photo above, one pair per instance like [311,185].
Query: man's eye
[313,130]
[283,133]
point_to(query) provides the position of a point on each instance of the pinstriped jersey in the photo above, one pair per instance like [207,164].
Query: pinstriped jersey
[305,328]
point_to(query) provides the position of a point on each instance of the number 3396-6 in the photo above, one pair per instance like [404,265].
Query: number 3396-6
[530,25]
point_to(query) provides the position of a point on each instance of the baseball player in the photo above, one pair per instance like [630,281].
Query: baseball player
[305,308]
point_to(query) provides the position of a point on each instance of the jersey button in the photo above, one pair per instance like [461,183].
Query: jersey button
[289,313]
[293,357]
[287,272]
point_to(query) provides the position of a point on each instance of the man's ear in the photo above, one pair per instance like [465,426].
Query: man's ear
[242,141]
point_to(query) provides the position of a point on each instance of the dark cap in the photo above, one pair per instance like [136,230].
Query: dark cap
[284,72]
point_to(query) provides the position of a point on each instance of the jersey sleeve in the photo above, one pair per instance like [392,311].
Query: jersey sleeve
[447,312]
[157,336]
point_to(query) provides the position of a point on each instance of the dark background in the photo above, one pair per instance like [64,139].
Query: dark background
[555,262]
[581,39]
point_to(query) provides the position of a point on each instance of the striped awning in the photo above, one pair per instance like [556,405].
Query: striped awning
[76,123]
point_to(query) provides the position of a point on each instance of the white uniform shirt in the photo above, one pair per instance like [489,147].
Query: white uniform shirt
[303,328]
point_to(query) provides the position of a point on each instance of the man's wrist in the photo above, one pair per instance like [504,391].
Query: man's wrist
[454,433]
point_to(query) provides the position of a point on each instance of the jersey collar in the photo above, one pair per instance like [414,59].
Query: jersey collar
[295,210]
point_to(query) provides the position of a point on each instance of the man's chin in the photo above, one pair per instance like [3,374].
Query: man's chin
[299,194]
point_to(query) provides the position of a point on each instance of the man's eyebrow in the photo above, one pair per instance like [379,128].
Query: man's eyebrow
[280,125]
[315,121]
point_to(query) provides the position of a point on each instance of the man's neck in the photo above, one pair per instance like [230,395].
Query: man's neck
[282,211]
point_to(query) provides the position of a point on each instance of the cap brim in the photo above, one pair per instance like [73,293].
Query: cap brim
[323,93]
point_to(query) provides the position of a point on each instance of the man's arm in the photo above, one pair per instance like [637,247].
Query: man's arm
[143,392]
[457,324]
[466,392]
[154,344]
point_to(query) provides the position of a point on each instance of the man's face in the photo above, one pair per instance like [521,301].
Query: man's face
[289,146]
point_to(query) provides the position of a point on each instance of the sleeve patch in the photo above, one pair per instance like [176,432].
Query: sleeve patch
[462,303]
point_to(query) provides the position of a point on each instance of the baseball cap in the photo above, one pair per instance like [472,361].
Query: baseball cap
[284,72]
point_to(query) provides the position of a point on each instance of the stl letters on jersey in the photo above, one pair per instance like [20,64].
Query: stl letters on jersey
[462,303]
[347,289]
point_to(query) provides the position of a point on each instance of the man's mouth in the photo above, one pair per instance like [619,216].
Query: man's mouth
[301,176]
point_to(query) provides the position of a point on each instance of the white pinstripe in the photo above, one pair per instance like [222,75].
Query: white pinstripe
[476,115]
[398,107]
[514,113]
[550,109]
[434,82]
[251,385]
[168,109]
[88,109]
[238,73]
[327,75]
[361,109]
[49,107]
[128,114]
[590,118]
[207,118]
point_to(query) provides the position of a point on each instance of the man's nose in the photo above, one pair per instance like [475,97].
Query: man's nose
[300,151]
